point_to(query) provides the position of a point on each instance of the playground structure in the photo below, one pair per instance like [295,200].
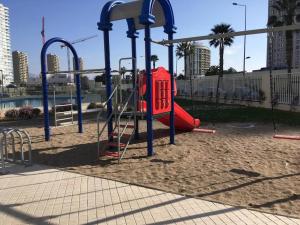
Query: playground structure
[139,15]
[8,138]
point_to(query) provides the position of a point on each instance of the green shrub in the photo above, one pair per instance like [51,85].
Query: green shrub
[36,112]
[26,113]
[12,114]
[94,105]
[64,108]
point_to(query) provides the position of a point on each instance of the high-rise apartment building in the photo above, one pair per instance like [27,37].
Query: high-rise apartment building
[6,68]
[20,62]
[80,63]
[52,62]
[199,62]
[279,44]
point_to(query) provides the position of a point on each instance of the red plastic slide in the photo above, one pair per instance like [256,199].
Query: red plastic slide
[183,120]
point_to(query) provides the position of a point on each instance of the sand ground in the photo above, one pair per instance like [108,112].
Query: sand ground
[237,166]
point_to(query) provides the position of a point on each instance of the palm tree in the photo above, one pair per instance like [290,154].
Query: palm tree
[183,50]
[221,28]
[286,15]
[154,59]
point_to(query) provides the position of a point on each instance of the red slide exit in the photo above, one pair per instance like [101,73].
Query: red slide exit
[183,120]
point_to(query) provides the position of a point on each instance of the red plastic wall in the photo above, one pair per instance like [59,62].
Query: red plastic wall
[161,84]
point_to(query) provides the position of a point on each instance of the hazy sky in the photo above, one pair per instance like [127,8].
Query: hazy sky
[75,19]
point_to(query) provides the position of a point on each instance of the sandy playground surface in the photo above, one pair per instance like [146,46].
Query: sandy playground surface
[240,167]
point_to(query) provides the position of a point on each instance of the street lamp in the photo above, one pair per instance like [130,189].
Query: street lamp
[244,58]
[2,81]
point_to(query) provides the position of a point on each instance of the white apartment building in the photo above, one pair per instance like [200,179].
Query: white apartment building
[6,66]
[199,62]
[279,50]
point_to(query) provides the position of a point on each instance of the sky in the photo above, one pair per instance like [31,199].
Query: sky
[75,19]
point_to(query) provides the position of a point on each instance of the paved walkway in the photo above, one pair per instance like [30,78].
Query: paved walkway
[40,195]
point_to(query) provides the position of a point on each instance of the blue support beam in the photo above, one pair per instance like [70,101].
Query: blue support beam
[134,78]
[171,71]
[149,91]
[108,83]
[45,84]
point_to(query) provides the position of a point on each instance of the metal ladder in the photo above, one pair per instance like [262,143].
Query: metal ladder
[119,129]
[65,118]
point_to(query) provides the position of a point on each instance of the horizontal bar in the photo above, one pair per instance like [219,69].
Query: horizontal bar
[65,112]
[56,106]
[91,71]
[64,119]
[233,34]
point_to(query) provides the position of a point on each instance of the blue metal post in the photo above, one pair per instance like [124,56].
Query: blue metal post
[134,67]
[78,93]
[171,70]
[108,82]
[149,90]
[45,93]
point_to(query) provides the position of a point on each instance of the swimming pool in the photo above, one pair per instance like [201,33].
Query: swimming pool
[32,101]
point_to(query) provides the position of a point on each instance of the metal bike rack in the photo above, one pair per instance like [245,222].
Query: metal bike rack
[8,137]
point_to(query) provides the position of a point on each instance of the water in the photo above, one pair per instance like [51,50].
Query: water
[34,102]
[38,101]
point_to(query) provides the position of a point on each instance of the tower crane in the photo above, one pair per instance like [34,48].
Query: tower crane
[76,42]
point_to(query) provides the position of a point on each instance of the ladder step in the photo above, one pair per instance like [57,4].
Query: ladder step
[114,144]
[64,119]
[65,113]
[112,154]
[56,106]
[115,134]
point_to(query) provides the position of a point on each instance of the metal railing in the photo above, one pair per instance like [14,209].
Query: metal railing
[121,133]
[232,88]
[24,138]
[286,89]
[99,116]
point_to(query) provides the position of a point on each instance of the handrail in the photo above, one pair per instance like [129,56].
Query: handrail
[99,133]
[120,135]
[126,104]
[110,97]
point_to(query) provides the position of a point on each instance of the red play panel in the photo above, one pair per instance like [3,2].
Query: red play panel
[161,90]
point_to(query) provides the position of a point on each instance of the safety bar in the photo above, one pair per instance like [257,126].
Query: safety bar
[90,71]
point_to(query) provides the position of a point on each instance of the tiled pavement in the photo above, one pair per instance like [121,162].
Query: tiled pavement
[40,195]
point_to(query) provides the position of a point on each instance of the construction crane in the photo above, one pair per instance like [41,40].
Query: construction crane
[76,42]
[43,30]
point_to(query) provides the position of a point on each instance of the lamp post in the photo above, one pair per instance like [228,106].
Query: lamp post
[244,58]
[2,81]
